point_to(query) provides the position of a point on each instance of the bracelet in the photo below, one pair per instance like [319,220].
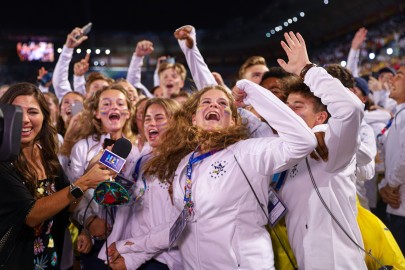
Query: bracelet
[305,70]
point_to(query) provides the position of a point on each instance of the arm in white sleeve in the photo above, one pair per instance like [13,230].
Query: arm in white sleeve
[77,161]
[368,146]
[257,128]
[382,184]
[346,110]
[366,172]
[398,177]
[153,242]
[60,78]
[43,89]
[377,116]
[79,84]
[381,98]
[135,72]
[200,72]
[294,141]
[353,62]
[156,80]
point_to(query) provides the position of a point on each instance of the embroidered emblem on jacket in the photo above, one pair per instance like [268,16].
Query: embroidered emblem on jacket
[293,171]
[218,169]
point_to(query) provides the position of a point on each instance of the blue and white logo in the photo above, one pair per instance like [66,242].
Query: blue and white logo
[112,161]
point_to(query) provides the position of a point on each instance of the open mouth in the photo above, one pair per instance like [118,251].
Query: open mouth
[212,116]
[114,116]
[26,131]
[153,134]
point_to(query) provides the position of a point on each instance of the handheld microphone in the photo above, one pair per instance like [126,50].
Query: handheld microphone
[109,192]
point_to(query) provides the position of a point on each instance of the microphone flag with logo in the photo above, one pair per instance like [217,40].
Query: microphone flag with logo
[110,193]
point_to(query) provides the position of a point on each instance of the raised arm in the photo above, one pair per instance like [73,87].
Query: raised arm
[200,72]
[354,53]
[79,70]
[143,48]
[60,78]
[345,108]
[295,139]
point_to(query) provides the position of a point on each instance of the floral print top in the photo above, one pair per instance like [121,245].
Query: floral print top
[45,256]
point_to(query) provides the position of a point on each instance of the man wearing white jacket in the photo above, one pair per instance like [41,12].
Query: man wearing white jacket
[316,190]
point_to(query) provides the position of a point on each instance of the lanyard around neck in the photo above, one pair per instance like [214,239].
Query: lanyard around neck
[137,170]
[187,188]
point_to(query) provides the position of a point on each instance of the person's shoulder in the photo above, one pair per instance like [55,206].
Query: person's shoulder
[80,143]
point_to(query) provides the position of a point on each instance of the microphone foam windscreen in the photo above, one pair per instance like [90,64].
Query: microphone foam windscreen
[122,147]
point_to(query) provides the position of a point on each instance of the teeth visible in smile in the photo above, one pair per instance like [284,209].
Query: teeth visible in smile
[26,129]
[153,131]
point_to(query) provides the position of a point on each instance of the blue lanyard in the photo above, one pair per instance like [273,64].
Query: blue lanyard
[386,127]
[388,124]
[187,187]
[136,172]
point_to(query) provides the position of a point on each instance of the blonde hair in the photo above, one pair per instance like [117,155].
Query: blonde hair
[90,125]
[176,66]
[169,105]
[95,76]
[251,61]
[182,137]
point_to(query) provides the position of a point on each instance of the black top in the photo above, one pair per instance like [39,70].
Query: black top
[16,238]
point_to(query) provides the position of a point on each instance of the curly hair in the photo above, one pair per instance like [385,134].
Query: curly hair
[182,137]
[46,138]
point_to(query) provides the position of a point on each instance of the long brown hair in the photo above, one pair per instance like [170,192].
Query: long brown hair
[90,125]
[46,138]
[182,137]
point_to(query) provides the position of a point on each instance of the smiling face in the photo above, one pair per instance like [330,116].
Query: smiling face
[112,111]
[398,86]
[33,118]
[155,123]
[171,82]
[305,108]
[213,111]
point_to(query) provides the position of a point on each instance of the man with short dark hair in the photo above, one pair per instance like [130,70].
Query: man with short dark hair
[392,188]
[381,88]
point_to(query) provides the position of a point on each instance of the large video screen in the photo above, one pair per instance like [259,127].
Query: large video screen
[40,51]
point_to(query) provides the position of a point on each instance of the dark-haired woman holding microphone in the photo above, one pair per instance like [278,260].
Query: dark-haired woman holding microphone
[36,194]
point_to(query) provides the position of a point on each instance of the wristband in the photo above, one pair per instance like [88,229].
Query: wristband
[305,70]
